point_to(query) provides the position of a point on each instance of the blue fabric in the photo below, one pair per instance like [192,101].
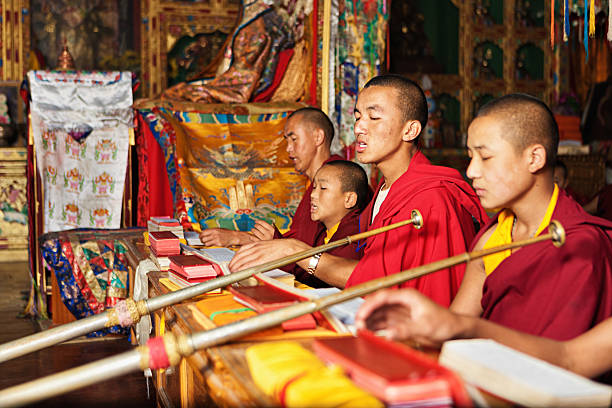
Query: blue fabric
[70,292]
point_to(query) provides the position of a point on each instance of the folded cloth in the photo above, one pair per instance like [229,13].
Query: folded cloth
[295,377]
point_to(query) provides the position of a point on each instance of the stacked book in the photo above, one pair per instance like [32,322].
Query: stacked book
[187,270]
[165,224]
[264,298]
[393,372]
[163,244]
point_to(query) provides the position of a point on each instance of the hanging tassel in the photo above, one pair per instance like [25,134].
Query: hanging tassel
[592,20]
[552,24]
[566,27]
[585,40]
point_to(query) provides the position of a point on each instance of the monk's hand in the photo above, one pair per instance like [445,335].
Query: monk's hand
[262,230]
[406,314]
[222,237]
[261,252]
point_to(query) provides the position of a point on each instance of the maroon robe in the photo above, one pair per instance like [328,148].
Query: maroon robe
[302,227]
[555,292]
[452,215]
[349,225]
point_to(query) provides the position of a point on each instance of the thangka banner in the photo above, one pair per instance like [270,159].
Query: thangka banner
[235,169]
[80,123]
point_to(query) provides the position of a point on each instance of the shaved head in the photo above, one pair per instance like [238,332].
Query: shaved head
[526,121]
[410,97]
[353,179]
[317,119]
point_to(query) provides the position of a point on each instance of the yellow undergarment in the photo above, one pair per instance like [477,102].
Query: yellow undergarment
[503,233]
[331,232]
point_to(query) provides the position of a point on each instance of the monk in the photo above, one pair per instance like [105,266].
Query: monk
[601,204]
[390,113]
[309,133]
[558,293]
[561,179]
[340,191]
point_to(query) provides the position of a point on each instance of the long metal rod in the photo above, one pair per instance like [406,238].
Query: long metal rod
[59,334]
[133,360]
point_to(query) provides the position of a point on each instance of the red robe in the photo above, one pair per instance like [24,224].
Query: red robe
[302,227]
[452,215]
[555,292]
[349,225]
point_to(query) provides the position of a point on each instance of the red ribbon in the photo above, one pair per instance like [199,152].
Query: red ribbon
[157,353]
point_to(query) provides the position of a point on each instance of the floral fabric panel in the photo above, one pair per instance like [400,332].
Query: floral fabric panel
[81,159]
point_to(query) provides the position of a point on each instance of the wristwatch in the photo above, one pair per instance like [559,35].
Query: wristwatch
[312,263]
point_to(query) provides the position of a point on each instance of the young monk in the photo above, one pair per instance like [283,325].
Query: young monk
[390,113]
[308,133]
[561,179]
[340,191]
[539,289]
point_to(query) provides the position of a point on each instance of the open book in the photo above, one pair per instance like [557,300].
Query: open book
[520,378]
[219,256]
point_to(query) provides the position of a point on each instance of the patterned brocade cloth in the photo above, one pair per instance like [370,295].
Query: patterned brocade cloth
[227,169]
[80,122]
[91,271]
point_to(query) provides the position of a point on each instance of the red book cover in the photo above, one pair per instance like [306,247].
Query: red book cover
[181,280]
[263,298]
[158,236]
[164,252]
[305,322]
[164,243]
[192,266]
[169,222]
[391,371]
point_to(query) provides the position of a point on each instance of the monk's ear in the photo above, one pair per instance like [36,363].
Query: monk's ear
[350,199]
[536,157]
[319,137]
[411,130]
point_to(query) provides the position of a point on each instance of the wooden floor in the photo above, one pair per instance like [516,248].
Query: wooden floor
[130,390]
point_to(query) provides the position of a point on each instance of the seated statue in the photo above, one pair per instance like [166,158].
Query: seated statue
[249,61]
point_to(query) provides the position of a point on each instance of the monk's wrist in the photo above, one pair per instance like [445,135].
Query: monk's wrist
[465,327]
[239,238]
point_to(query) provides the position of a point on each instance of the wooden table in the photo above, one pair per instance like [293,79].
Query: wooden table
[216,376]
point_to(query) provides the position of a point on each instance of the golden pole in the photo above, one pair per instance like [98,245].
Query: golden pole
[110,317]
[175,347]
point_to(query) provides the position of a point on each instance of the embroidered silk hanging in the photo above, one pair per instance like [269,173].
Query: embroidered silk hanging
[80,122]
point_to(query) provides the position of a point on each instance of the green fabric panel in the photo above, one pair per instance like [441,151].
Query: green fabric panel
[442,29]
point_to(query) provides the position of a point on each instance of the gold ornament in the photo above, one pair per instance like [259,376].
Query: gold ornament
[65,62]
